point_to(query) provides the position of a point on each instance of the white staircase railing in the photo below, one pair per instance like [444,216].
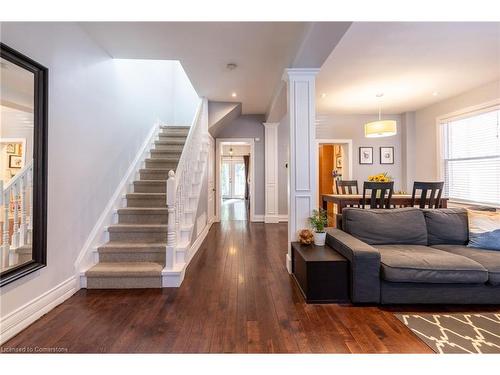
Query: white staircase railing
[183,191]
[16,199]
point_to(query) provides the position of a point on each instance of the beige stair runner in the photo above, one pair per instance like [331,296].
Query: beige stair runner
[135,254]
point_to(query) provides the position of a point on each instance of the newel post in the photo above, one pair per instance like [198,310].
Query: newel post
[171,230]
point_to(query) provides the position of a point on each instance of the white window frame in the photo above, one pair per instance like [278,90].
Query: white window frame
[453,116]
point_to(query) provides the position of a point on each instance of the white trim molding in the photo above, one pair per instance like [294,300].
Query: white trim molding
[271,172]
[303,151]
[25,315]
[99,234]
[173,278]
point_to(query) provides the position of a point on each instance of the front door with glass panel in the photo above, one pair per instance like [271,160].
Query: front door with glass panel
[233,178]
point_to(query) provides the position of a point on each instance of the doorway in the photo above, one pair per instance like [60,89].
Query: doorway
[334,163]
[233,178]
[234,173]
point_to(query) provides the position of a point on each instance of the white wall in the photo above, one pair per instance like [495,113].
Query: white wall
[352,127]
[100,111]
[426,129]
[185,99]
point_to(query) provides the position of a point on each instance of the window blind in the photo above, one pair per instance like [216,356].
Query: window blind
[472,158]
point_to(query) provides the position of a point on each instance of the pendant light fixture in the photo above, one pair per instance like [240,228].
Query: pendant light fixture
[380,128]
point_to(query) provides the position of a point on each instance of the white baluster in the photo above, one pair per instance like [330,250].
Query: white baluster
[22,226]
[5,229]
[171,223]
[15,229]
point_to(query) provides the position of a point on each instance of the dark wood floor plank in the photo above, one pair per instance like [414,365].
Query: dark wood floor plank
[237,297]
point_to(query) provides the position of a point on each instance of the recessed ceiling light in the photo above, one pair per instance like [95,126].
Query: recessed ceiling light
[435,93]
[233,95]
[323,96]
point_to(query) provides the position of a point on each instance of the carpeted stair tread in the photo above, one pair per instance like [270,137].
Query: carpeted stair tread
[135,254]
[146,195]
[143,210]
[137,228]
[117,246]
[125,269]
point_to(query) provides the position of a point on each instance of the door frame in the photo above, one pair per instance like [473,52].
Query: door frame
[329,141]
[218,147]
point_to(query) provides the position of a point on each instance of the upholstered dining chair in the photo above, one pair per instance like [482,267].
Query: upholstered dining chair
[381,194]
[430,194]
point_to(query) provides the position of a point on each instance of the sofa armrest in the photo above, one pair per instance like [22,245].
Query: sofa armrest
[364,263]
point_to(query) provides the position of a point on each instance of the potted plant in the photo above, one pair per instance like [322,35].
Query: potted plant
[319,221]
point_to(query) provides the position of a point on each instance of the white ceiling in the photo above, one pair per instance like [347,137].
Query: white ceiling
[261,49]
[408,62]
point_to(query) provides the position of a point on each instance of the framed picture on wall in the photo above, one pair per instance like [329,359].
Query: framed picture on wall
[11,148]
[15,161]
[386,155]
[366,155]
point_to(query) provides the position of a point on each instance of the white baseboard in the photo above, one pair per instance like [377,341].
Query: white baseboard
[174,278]
[21,318]
[270,219]
[283,218]
[99,234]
[288,263]
[258,218]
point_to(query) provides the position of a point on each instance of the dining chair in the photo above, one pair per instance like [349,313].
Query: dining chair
[347,187]
[381,194]
[432,200]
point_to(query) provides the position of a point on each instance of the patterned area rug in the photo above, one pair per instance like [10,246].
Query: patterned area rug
[456,333]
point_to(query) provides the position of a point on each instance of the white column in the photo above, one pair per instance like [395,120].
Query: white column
[271,172]
[303,154]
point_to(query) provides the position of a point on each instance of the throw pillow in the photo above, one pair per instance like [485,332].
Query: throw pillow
[484,229]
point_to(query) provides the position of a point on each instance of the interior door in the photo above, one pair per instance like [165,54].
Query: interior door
[233,178]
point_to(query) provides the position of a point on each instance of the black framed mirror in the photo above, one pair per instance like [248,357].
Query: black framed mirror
[23,165]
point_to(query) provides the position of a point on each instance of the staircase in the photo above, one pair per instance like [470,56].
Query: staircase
[135,255]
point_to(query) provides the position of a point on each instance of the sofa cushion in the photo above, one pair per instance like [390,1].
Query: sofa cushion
[447,226]
[484,229]
[378,227]
[489,259]
[423,264]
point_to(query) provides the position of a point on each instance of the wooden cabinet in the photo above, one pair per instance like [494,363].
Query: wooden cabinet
[321,273]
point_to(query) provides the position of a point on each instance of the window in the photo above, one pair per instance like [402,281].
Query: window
[471,157]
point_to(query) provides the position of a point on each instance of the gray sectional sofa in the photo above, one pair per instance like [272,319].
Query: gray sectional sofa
[412,255]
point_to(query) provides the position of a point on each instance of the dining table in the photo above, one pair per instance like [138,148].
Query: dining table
[342,201]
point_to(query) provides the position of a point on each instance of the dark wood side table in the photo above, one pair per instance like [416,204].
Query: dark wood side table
[321,273]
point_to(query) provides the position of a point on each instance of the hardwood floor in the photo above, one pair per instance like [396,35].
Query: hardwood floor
[233,209]
[237,297]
